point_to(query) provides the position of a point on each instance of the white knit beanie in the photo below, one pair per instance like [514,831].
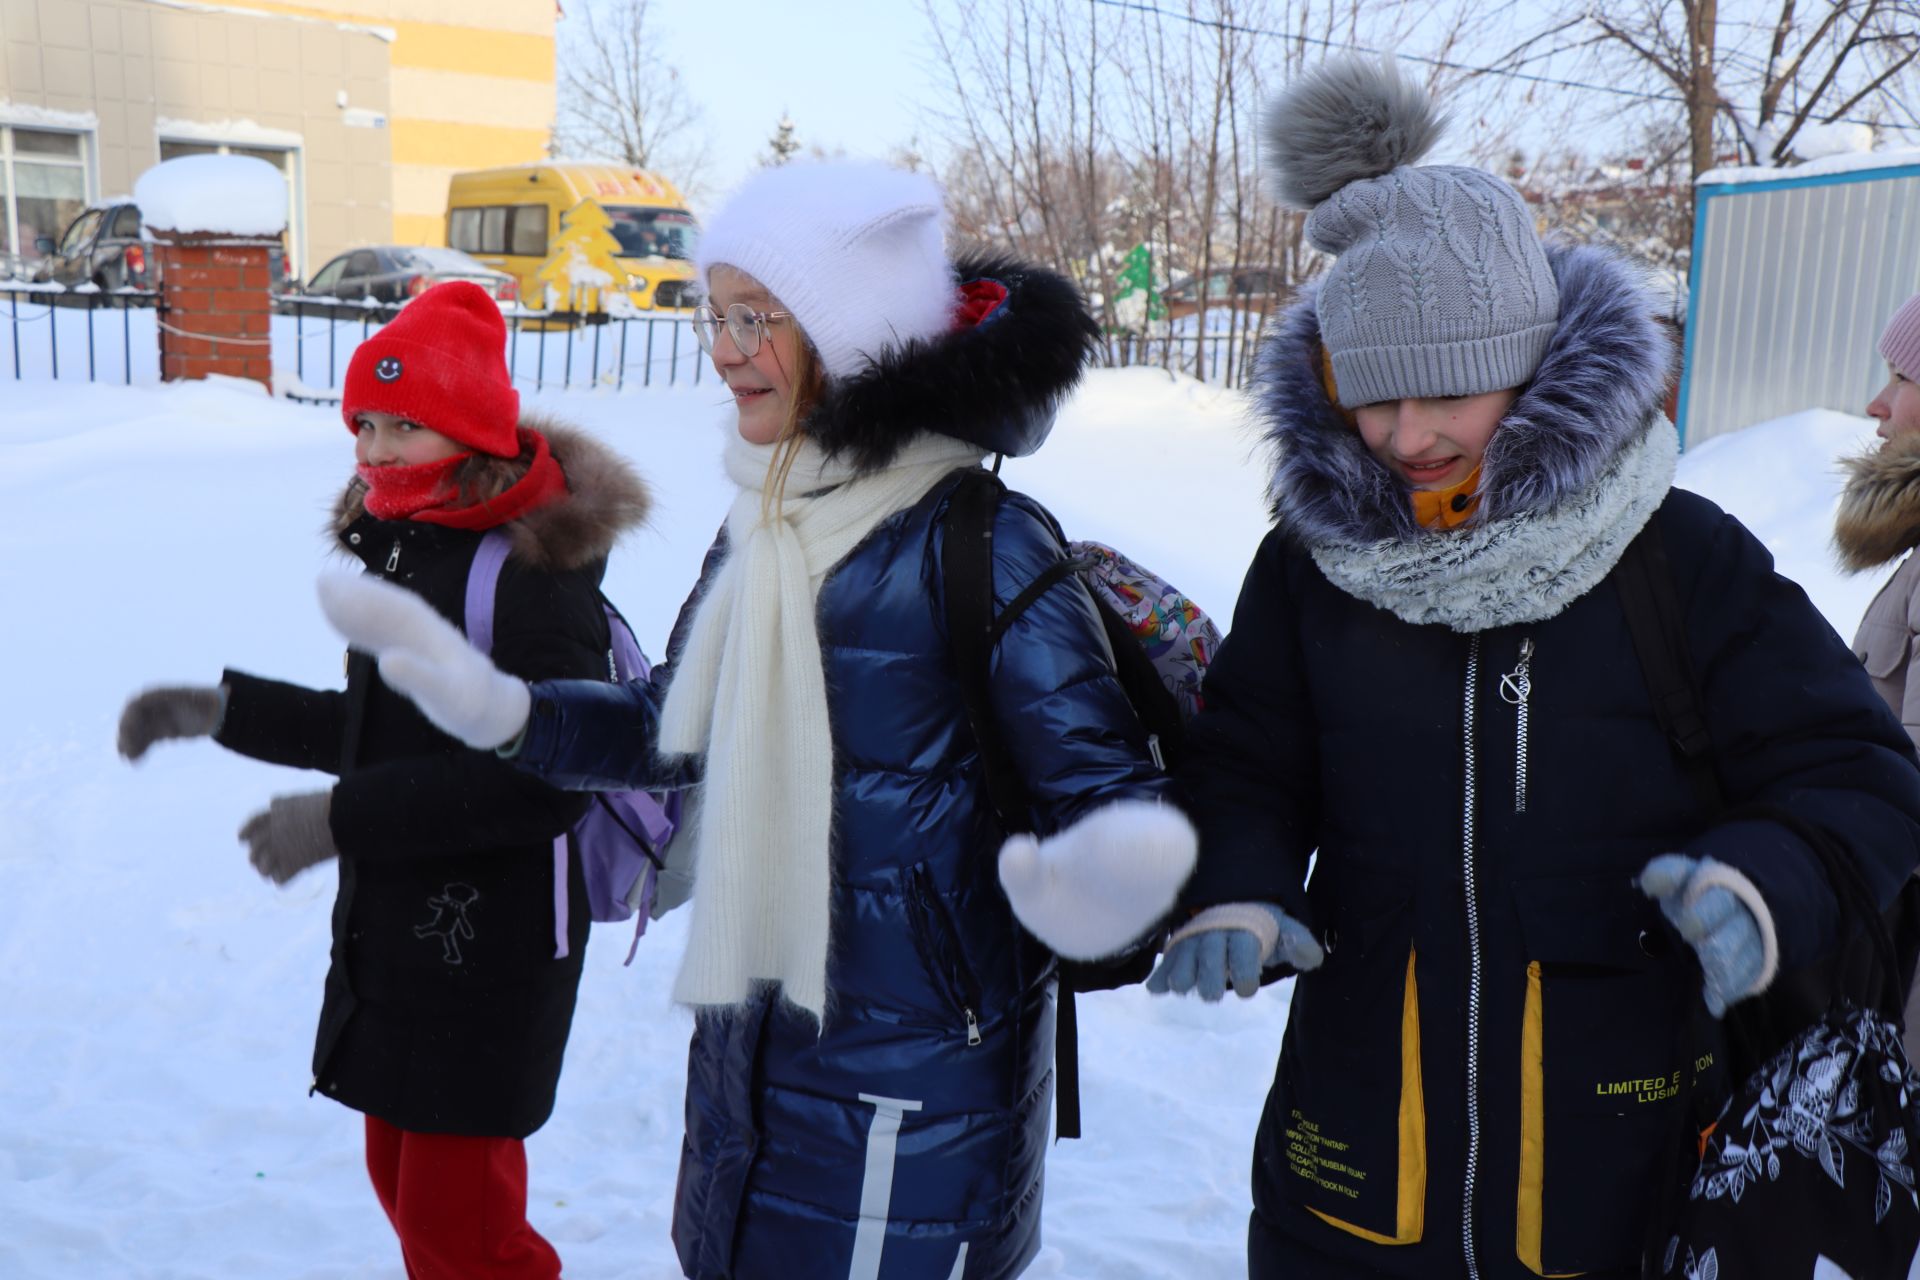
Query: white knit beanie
[855,250]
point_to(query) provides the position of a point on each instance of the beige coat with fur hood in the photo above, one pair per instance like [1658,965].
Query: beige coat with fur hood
[1879,519]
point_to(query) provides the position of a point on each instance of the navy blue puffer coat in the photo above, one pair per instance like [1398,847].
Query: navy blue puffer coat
[904,1137]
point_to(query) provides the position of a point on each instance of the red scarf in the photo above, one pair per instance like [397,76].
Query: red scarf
[399,493]
[423,493]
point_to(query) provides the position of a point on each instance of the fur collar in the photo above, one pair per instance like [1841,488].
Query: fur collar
[996,384]
[1878,513]
[1524,568]
[1595,392]
[1879,516]
[605,498]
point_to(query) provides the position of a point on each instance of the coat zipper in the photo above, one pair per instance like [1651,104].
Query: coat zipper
[948,962]
[1473,972]
[1516,687]
[393,560]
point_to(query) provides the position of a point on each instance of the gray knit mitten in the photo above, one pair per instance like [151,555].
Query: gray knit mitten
[290,835]
[180,711]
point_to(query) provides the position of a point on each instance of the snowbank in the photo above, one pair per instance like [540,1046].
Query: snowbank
[227,195]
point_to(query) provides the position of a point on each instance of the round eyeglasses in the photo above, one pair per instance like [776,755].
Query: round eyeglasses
[744,325]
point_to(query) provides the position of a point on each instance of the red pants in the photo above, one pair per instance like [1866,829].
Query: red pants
[459,1205]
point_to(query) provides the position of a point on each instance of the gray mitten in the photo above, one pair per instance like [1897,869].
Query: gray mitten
[181,711]
[290,835]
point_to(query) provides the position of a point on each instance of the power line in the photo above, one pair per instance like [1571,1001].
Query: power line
[1442,63]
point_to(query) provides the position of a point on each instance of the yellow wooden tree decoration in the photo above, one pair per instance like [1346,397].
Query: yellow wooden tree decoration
[581,269]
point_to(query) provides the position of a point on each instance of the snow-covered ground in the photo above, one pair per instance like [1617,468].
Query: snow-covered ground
[160,997]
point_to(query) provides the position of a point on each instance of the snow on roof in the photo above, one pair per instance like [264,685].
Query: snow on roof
[230,195]
[437,259]
[26,113]
[1846,162]
[387,34]
[245,133]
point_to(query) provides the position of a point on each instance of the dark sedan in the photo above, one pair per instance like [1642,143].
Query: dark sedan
[391,274]
[103,247]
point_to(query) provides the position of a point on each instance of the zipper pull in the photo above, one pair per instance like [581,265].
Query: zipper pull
[1517,685]
[393,561]
[973,1027]
[1153,750]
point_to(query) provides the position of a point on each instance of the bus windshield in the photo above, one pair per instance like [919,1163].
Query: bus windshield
[652,233]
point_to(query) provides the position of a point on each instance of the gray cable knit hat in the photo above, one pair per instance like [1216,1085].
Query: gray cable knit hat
[1439,286]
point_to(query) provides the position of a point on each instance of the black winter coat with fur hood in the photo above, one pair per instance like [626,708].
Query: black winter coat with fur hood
[447,1008]
[1455,728]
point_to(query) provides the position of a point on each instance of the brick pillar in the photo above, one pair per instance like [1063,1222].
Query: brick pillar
[216,306]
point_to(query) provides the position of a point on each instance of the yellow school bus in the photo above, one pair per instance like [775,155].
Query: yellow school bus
[531,219]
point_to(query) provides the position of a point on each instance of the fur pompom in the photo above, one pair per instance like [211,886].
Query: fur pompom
[1353,118]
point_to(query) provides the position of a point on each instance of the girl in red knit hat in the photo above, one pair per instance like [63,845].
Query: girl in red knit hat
[451,990]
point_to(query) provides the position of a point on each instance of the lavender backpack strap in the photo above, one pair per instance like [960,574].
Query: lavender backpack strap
[483,584]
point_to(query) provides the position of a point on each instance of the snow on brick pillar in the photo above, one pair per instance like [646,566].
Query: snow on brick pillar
[215,291]
[216,220]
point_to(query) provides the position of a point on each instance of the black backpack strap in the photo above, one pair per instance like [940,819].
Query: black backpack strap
[974,628]
[967,572]
[1644,579]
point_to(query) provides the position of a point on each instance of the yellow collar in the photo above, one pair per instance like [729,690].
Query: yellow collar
[1446,508]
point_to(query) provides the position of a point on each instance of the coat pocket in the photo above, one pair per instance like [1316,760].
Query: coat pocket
[1883,648]
[937,939]
[1349,1113]
[1599,1076]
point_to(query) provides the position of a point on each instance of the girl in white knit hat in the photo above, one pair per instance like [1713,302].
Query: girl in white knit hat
[868,1091]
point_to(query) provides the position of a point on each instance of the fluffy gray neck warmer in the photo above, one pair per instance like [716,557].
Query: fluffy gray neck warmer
[1524,567]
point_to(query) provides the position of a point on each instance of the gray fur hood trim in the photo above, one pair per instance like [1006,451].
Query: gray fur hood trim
[1598,387]
[605,499]
[1524,568]
[1879,516]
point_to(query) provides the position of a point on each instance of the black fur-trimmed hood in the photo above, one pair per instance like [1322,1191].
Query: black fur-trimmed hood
[605,498]
[1599,385]
[996,384]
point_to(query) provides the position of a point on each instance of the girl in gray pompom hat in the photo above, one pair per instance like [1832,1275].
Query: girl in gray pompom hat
[1431,692]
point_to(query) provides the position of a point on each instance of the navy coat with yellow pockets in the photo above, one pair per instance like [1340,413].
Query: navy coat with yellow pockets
[1480,1079]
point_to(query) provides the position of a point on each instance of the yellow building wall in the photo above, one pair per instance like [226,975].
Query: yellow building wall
[472,86]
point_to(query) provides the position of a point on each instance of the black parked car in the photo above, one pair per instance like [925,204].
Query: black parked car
[391,274]
[103,247]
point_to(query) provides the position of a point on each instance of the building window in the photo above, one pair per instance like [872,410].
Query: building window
[43,188]
[285,159]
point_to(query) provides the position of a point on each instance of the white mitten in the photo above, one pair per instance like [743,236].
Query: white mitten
[426,658]
[1097,887]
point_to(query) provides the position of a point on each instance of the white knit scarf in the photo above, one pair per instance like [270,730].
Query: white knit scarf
[1524,568]
[749,692]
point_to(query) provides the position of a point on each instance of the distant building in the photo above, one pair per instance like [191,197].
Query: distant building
[1795,272]
[367,106]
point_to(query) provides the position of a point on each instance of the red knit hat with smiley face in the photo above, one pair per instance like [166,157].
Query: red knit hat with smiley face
[441,363]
